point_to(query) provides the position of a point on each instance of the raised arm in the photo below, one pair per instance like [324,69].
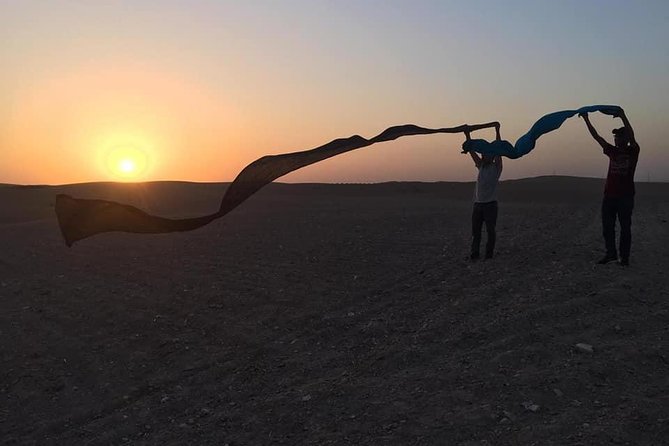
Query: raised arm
[468,129]
[602,142]
[498,158]
[475,156]
[630,130]
[477,159]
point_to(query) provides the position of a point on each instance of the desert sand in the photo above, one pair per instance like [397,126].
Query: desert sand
[335,314]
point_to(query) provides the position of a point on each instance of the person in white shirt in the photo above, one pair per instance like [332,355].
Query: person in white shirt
[485,199]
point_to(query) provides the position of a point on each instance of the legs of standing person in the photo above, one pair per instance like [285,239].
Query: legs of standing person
[609,211]
[625,217]
[477,225]
[490,217]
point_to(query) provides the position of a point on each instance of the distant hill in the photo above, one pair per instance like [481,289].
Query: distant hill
[180,198]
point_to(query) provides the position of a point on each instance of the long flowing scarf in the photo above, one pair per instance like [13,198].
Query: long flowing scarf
[82,218]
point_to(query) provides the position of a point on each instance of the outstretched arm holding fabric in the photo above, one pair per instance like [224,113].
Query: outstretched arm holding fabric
[630,130]
[485,159]
[602,142]
[498,159]
[467,129]
[498,135]
[475,156]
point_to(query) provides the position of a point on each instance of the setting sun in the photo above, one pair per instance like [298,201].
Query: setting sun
[126,166]
[127,162]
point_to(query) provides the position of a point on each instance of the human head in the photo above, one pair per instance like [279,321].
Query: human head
[621,137]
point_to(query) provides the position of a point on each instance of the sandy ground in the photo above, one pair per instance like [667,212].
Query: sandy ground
[335,314]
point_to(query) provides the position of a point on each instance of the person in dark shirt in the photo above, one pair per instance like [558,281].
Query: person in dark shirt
[619,190]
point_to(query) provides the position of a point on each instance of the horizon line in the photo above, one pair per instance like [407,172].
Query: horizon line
[309,183]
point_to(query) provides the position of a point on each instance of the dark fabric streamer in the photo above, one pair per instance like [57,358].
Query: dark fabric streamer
[81,218]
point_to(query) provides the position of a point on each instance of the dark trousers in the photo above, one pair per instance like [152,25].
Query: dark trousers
[484,213]
[621,208]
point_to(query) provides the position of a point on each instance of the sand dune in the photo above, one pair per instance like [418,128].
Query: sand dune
[335,314]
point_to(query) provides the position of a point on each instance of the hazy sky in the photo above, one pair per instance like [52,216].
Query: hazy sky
[195,90]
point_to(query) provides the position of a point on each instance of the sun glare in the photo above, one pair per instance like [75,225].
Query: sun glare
[128,163]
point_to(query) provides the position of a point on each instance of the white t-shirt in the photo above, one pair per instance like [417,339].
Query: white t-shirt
[486,183]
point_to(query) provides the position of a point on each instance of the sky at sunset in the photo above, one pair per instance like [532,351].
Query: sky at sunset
[196,90]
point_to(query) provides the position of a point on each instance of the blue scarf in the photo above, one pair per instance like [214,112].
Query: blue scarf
[528,141]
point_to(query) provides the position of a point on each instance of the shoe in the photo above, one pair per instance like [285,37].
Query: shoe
[474,256]
[607,258]
[624,262]
[488,256]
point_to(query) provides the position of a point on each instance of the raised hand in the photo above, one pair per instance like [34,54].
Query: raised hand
[498,135]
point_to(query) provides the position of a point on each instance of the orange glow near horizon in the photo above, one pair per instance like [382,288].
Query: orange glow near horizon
[127,163]
[119,121]
[213,86]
